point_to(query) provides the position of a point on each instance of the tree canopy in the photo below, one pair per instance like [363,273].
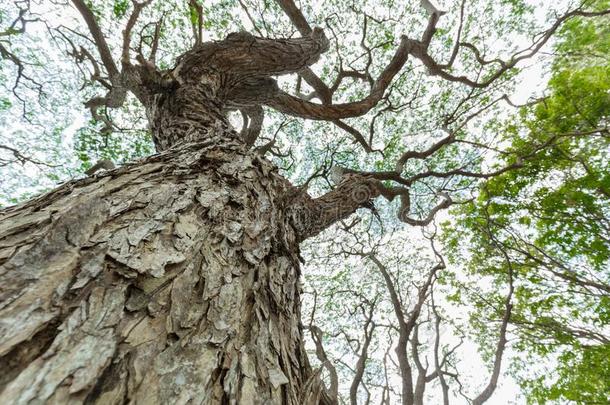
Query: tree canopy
[481,128]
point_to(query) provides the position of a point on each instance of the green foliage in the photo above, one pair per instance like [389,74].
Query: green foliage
[92,145]
[548,222]
[120,8]
[193,15]
[5,103]
[582,376]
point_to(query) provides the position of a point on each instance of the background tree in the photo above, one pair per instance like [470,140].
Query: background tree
[177,277]
[548,222]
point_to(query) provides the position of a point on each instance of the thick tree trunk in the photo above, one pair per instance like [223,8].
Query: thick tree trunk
[176,279]
[170,281]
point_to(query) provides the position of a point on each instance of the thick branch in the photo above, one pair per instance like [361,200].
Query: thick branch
[355,133]
[251,91]
[291,105]
[321,89]
[244,54]
[296,16]
[253,122]
[369,327]
[133,18]
[403,333]
[316,336]
[312,216]
[298,20]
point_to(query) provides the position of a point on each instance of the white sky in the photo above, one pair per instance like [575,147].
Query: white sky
[531,81]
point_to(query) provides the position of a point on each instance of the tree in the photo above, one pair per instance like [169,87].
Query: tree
[554,234]
[176,278]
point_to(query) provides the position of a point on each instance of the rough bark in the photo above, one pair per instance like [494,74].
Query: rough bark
[169,281]
[174,279]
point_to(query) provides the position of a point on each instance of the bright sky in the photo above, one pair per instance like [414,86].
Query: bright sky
[532,80]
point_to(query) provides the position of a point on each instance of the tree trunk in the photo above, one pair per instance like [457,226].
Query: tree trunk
[176,279]
[171,281]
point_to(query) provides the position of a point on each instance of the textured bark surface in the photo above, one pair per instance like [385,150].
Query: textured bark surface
[188,103]
[175,279]
[170,281]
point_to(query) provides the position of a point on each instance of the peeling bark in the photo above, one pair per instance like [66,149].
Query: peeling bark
[172,280]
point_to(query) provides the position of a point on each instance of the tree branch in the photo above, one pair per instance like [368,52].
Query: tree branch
[133,18]
[98,37]
[493,380]
[244,55]
[291,105]
[420,51]
[311,216]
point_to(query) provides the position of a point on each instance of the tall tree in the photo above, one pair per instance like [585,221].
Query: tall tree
[548,223]
[177,278]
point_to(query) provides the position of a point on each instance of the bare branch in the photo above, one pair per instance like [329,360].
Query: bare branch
[296,16]
[355,133]
[133,18]
[446,202]
[423,154]
[437,363]
[369,328]
[419,50]
[98,37]
[291,105]
[20,158]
